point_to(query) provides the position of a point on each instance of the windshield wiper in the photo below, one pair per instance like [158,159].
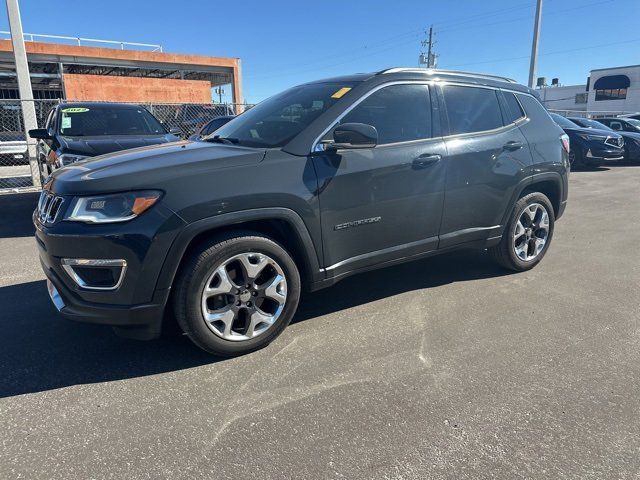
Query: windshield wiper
[219,139]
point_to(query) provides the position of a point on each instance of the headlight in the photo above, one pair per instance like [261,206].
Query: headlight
[586,136]
[68,159]
[118,207]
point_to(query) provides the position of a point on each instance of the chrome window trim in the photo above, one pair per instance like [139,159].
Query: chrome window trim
[430,83]
[69,263]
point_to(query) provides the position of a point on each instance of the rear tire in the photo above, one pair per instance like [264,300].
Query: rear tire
[236,294]
[528,234]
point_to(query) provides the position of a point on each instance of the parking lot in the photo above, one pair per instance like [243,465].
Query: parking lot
[446,367]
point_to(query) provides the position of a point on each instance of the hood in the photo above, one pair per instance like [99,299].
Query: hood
[99,145]
[149,167]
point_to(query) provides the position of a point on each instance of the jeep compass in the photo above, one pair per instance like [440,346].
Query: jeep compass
[322,181]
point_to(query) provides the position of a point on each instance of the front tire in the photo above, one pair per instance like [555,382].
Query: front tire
[236,294]
[528,234]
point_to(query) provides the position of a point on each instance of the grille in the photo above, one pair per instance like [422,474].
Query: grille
[49,207]
[616,142]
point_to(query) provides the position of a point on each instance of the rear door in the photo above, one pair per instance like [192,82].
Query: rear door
[381,203]
[487,157]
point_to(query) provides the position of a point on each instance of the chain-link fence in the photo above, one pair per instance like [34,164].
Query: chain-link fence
[17,173]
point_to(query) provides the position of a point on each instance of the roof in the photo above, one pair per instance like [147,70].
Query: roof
[614,68]
[99,104]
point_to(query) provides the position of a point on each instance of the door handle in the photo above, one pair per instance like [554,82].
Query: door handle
[511,146]
[426,160]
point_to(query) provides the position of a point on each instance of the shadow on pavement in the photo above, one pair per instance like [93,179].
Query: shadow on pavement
[16,211]
[39,350]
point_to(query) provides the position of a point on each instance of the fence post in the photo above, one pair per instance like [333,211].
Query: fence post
[24,86]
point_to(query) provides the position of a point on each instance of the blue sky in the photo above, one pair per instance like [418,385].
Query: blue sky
[283,43]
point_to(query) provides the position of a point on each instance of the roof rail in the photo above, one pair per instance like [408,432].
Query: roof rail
[431,71]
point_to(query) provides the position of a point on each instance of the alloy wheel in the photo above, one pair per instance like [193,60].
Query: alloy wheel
[531,232]
[244,296]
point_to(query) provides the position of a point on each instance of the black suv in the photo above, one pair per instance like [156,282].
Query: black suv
[322,181]
[77,130]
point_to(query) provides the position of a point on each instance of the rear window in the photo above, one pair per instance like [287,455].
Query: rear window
[514,110]
[471,109]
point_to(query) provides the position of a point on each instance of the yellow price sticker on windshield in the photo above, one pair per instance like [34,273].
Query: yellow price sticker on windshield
[75,110]
[340,93]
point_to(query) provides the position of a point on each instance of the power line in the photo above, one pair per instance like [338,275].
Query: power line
[557,52]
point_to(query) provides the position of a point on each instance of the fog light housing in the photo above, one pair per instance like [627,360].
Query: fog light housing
[95,274]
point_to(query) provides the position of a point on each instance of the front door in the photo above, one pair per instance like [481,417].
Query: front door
[381,203]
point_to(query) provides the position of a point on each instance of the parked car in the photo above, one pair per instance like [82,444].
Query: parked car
[591,147]
[75,131]
[622,124]
[190,117]
[211,126]
[13,149]
[322,181]
[633,116]
[631,139]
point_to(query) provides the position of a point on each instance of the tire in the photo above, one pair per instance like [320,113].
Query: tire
[511,253]
[575,157]
[235,323]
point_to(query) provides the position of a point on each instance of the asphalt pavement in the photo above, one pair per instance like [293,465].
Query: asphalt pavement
[443,368]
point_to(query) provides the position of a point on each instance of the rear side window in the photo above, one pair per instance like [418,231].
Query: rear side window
[514,110]
[400,113]
[471,109]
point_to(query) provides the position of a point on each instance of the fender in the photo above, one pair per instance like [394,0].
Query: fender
[188,233]
[555,177]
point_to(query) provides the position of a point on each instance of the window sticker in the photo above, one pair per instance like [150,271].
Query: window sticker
[66,121]
[340,93]
[75,110]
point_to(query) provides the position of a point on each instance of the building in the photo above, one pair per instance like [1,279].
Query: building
[570,97]
[608,91]
[78,72]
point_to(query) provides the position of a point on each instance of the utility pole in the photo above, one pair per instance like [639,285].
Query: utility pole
[534,47]
[24,85]
[428,59]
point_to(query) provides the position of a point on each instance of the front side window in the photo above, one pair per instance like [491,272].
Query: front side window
[277,120]
[100,120]
[471,109]
[400,113]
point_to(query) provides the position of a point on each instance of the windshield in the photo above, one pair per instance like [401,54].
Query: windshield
[274,122]
[634,122]
[588,123]
[562,121]
[99,120]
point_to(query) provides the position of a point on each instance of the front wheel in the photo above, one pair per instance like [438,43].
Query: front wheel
[236,294]
[528,234]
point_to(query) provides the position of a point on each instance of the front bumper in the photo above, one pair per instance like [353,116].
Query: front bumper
[136,306]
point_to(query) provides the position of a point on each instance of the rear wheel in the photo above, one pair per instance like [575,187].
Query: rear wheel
[236,294]
[528,234]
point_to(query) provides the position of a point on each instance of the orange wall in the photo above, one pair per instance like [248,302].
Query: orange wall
[136,89]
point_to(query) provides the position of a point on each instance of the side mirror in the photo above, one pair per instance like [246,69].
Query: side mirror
[354,135]
[40,134]
[175,131]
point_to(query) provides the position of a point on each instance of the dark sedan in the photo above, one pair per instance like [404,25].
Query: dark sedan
[631,139]
[591,147]
[74,131]
[211,126]
[622,124]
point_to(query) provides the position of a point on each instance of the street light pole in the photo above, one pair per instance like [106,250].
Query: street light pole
[24,85]
[534,47]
